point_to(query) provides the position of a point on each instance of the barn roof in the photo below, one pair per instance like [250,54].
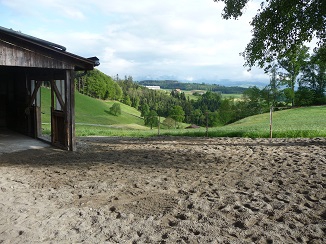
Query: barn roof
[50,49]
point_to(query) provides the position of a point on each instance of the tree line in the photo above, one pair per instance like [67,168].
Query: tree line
[173,84]
[298,79]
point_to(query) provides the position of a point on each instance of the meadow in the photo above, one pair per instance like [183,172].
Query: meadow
[93,118]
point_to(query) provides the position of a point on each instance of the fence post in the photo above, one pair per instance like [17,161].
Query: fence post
[158,131]
[271,122]
[206,124]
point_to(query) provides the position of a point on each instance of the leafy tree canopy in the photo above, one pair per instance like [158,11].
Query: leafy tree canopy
[115,109]
[279,27]
[177,113]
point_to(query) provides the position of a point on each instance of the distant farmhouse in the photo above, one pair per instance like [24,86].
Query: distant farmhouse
[154,87]
[177,90]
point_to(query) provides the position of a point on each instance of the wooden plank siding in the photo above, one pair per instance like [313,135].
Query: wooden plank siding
[11,55]
[25,63]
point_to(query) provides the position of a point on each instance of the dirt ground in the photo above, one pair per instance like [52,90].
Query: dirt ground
[166,190]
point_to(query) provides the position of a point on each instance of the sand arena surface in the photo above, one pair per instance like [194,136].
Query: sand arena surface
[166,190]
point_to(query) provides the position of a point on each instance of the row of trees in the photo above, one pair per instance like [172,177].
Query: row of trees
[298,79]
[280,29]
[295,80]
[173,84]
[98,85]
[174,106]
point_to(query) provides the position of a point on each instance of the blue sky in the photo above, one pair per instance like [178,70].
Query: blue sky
[178,39]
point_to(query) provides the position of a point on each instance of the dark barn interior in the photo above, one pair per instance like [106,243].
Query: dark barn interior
[26,63]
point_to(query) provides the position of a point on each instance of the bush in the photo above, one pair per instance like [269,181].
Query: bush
[115,109]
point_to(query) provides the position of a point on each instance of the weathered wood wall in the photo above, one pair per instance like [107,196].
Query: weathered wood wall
[25,60]
[11,55]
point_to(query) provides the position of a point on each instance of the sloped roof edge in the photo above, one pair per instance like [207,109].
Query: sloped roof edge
[93,61]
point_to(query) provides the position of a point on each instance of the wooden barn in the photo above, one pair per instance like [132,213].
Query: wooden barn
[26,64]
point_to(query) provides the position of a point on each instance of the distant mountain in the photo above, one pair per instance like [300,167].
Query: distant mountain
[230,83]
[221,82]
[174,84]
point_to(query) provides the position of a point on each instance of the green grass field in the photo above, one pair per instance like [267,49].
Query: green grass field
[93,115]
[93,118]
[297,122]
[306,122]
[191,96]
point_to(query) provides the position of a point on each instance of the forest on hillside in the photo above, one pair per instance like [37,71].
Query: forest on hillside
[296,80]
[173,84]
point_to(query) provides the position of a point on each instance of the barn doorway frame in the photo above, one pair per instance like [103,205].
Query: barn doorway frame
[26,62]
[61,109]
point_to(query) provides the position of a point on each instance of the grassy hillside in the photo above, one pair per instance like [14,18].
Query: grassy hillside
[191,96]
[90,112]
[298,122]
[93,118]
[94,111]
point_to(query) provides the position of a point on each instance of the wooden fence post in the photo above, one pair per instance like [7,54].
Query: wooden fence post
[206,124]
[159,122]
[271,122]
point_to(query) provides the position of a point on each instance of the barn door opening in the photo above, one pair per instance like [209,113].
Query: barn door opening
[40,110]
[45,98]
[58,111]
[48,112]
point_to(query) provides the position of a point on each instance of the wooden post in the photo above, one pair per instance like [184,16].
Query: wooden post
[159,121]
[206,124]
[271,122]
[72,129]
[52,116]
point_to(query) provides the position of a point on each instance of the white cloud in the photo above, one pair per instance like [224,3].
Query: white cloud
[184,38]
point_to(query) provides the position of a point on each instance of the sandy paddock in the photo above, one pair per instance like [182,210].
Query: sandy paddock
[166,190]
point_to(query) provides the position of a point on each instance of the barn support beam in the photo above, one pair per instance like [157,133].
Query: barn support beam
[36,89]
[26,63]
[63,112]
[70,101]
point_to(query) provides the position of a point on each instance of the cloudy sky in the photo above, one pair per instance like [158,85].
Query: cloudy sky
[177,39]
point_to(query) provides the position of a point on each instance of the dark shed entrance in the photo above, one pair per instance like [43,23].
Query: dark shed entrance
[26,63]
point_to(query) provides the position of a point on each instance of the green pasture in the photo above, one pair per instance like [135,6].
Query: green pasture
[306,122]
[93,118]
[235,96]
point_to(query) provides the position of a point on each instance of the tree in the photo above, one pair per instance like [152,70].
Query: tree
[271,92]
[197,117]
[292,63]
[209,101]
[314,74]
[213,119]
[226,111]
[144,109]
[151,119]
[115,109]
[118,92]
[126,100]
[280,26]
[253,102]
[304,97]
[168,122]
[177,113]
[135,102]
[97,84]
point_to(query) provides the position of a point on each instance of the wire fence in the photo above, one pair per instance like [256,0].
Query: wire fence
[268,128]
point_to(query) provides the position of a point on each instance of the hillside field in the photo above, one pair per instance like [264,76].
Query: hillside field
[93,118]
